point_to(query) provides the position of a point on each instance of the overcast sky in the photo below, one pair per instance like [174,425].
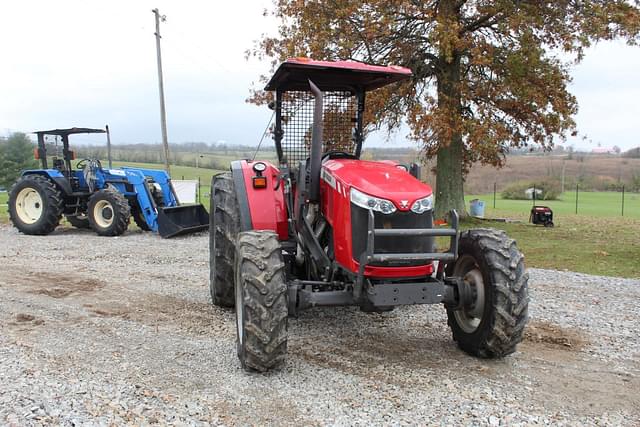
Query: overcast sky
[86,63]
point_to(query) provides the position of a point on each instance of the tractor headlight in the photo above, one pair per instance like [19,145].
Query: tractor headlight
[366,201]
[422,205]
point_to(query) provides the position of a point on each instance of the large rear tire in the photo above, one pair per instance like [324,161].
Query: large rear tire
[493,267]
[79,221]
[224,225]
[35,205]
[261,301]
[109,212]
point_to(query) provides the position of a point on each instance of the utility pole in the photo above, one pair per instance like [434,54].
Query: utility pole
[163,113]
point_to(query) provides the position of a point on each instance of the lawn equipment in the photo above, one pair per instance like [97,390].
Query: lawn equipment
[541,215]
[91,196]
[323,228]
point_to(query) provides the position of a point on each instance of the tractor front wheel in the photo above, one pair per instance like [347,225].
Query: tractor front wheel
[493,268]
[224,224]
[108,212]
[261,301]
[35,205]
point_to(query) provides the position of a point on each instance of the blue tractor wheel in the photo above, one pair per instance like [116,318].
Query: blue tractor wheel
[35,205]
[109,212]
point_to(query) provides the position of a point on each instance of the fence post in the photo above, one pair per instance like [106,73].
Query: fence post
[622,199]
[534,194]
[494,195]
[577,185]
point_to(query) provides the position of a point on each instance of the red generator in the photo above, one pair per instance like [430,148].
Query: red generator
[541,215]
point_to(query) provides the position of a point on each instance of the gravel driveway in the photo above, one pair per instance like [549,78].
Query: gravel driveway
[120,330]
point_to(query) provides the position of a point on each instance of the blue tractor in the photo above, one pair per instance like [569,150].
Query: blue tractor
[102,199]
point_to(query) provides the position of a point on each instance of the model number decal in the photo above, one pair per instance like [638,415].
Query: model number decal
[329,179]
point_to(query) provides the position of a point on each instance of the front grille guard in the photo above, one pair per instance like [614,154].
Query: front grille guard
[369,255]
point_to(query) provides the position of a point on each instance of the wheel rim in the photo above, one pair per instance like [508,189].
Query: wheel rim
[29,206]
[103,213]
[469,318]
[239,307]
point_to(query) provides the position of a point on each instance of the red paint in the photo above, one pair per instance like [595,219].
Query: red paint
[267,206]
[380,179]
[351,65]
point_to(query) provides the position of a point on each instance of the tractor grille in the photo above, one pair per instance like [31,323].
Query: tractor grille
[339,122]
[389,244]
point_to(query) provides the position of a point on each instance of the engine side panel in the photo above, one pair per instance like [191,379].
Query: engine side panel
[260,208]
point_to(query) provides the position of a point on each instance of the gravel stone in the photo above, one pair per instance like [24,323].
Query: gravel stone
[101,331]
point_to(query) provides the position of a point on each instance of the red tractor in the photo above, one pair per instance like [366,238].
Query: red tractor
[324,228]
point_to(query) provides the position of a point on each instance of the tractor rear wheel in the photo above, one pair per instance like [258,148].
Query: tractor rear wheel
[79,221]
[261,301]
[35,205]
[493,268]
[108,212]
[224,225]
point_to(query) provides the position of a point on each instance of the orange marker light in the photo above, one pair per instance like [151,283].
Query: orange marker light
[259,182]
[36,154]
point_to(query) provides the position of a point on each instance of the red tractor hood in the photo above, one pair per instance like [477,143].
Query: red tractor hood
[379,179]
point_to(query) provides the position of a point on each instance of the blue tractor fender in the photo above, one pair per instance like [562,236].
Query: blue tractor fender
[54,175]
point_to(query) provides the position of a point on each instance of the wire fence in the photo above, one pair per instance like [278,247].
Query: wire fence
[620,203]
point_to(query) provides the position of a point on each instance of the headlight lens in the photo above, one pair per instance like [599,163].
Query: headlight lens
[369,202]
[422,205]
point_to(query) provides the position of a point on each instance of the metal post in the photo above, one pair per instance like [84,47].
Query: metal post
[108,146]
[577,186]
[494,195]
[163,113]
[199,190]
[534,194]
[622,199]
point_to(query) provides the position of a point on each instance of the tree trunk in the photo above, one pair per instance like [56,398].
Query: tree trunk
[450,156]
[449,181]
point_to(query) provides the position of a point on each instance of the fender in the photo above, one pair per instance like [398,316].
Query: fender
[54,175]
[260,208]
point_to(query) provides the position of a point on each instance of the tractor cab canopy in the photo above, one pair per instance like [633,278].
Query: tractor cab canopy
[67,155]
[67,132]
[294,74]
[321,104]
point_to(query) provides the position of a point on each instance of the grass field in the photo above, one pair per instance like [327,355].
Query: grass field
[599,204]
[598,240]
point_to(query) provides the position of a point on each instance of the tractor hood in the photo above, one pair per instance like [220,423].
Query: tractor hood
[380,179]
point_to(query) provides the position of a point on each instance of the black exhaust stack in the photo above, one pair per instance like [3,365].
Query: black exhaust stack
[316,145]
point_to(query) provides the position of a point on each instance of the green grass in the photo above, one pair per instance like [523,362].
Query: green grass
[4,215]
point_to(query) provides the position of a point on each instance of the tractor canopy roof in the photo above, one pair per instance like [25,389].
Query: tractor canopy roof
[295,73]
[70,131]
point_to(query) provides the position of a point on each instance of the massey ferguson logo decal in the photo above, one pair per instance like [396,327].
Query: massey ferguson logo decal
[404,203]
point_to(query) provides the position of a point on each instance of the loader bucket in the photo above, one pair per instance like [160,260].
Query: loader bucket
[179,220]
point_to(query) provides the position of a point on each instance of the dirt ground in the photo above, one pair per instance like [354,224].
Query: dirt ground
[121,330]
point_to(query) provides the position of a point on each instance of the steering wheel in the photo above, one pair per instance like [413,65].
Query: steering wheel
[81,163]
[337,154]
